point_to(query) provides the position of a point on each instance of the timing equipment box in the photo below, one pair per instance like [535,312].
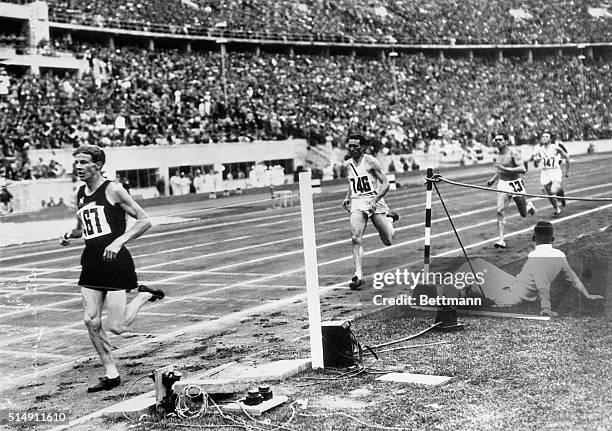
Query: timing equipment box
[338,351]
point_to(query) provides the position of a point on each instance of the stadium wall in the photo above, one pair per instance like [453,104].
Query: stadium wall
[160,158]
[29,194]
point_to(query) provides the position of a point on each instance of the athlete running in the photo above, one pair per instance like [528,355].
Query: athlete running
[509,170]
[367,187]
[107,267]
[552,156]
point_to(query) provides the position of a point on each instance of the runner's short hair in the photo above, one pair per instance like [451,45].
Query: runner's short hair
[503,135]
[357,137]
[96,153]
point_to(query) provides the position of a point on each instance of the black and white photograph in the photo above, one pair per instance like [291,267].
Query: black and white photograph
[305,215]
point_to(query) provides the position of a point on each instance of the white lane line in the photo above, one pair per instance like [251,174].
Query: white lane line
[530,229]
[334,243]
[330,244]
[324,289]
[161,271]
[172,232]
[31,269]
[39,308]
[397,196]
[271,224]
[256,274]
[34,279]
[222,287]
[36,354]
[32,292]
[189,247]
[151,313]
[218,253]
[414,241]
[195,273]
[343,219]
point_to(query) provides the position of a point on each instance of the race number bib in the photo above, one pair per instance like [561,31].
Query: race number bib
[360,185]
[517,186]
[551,162]
[94,221]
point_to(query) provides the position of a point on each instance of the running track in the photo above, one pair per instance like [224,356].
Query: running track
[223,267]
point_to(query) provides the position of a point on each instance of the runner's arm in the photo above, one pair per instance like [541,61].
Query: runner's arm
[77,232]
[376,170]
[493,179]
[120,196]
[116,194]
[347,200]
[537,158]
[563,152]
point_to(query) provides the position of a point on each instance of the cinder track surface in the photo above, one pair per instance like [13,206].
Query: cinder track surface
[247,258]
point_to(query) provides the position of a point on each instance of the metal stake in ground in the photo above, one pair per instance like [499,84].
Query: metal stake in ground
[427,248]
[446,317]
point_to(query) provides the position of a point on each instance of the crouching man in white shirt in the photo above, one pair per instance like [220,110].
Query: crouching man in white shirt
[543,266]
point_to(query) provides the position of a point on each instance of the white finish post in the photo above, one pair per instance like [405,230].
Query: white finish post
[312,271]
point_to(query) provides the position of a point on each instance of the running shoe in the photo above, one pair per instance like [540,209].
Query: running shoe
[531,210]
[105,384]
[157,293]
[356,283]
[393,216]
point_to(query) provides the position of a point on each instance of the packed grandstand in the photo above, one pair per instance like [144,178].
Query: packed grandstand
[136,96]
[434,21]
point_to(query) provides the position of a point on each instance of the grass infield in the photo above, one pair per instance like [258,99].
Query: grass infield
[508,375]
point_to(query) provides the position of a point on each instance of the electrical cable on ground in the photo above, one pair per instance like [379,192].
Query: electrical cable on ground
[125,395]
[183,410]
[414,346]
[418,334]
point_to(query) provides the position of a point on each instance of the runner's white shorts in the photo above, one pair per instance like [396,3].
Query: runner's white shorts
[514,186]
[361,204]
[548,176]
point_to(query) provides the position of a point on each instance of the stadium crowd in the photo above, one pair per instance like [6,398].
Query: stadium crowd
[139,97]
[435,21]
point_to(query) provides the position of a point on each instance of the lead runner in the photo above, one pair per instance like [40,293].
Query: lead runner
[107,267]
[364,199]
